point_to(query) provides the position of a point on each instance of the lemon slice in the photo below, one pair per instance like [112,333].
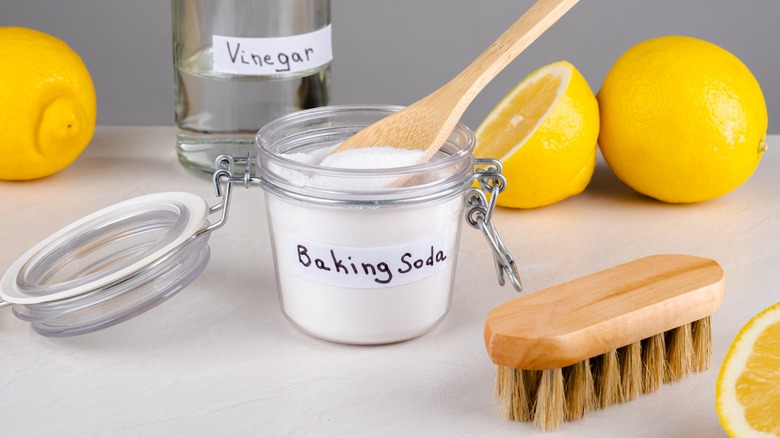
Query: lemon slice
[544,132]
[748,389]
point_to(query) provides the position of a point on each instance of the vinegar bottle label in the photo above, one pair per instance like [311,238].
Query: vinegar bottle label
[279,56]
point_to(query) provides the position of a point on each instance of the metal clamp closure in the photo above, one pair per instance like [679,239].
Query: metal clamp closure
[481,203]
[223,176]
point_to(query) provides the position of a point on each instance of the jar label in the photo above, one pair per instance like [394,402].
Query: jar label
[369,267]
[272,56]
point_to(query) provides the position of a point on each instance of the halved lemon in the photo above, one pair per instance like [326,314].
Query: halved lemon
[544,133]
[748,389]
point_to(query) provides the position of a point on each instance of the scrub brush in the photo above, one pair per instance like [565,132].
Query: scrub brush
[604,338]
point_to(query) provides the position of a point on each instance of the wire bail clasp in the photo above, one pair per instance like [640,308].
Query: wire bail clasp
[481,202]
[223,176]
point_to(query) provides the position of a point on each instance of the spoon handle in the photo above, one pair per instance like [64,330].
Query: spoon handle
[469,82]
[426,124]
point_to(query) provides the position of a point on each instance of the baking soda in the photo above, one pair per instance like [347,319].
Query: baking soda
[373,158]
[364,273]
[364,158]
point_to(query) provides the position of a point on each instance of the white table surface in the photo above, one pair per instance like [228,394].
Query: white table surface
[220,359]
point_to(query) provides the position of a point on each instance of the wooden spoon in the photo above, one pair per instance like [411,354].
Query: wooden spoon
[426,124]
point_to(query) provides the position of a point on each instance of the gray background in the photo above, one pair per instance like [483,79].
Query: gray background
[396,51]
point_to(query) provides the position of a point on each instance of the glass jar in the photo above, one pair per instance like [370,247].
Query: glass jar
[363,256]
[240,64]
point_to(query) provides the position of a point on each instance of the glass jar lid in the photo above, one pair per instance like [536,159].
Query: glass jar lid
[110,265]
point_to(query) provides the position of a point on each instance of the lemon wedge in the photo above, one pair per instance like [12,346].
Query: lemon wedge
[544,133]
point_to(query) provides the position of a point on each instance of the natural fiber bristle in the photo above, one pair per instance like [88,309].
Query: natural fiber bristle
[550,408]
[679,353]
[549,397]
[580,393]
[654,361]
[607,379]
[531,379]
[511,391]
[630,371]
[702,344]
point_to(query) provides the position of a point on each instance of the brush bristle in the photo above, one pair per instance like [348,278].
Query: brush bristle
[579,389]
[607,379]
[654,362]
[679,353]
[550,406]
[630,371]
[702,344]
[512,392]
[549,397]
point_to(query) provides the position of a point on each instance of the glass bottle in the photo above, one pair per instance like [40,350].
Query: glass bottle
[242,63]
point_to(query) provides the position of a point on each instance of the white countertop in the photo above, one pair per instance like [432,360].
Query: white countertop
[220,359]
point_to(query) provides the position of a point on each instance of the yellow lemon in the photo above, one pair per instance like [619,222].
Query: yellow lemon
[682,120]
[747,395]
[544,133]
[47,102]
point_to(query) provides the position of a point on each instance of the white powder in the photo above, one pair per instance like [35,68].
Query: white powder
[313,158]
[365,275]
[362,158]
[372,158]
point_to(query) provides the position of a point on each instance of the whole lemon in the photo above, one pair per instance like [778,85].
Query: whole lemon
[544,133]
[682,120]
[47,102]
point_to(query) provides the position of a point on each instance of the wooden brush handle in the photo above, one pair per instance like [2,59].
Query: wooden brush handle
[592,315]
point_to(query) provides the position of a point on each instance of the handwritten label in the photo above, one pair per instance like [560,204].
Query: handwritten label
[375,267]
[272,56]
